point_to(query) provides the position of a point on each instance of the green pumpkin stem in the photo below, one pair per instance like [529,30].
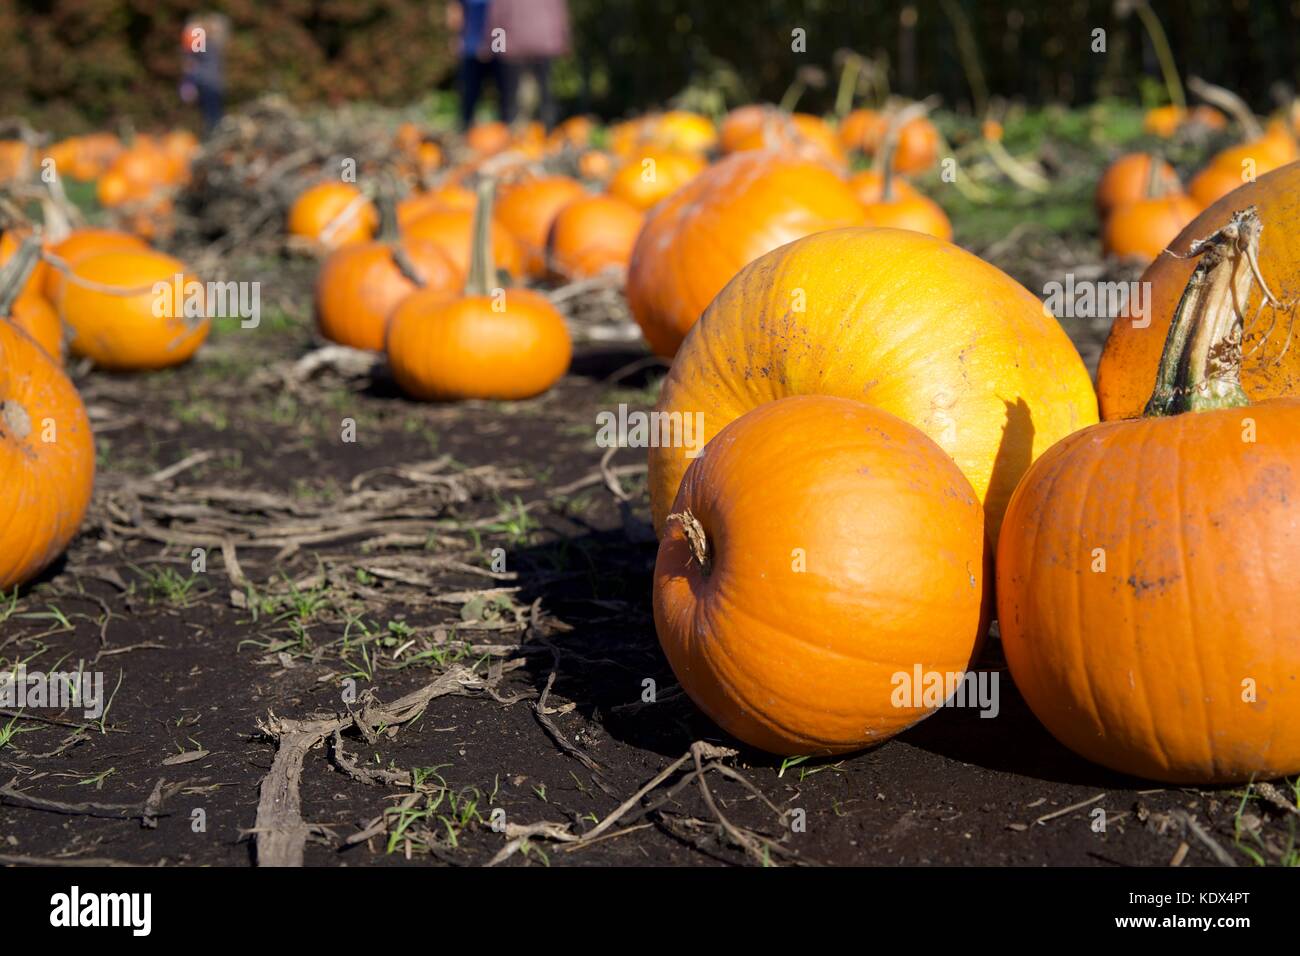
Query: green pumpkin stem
[482,270]
[1200,368]
[14,274]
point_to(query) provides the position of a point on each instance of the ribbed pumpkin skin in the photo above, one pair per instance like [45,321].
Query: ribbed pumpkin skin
[121,332]
[896,319]
[528,208]
[891,535]
[47,484]
[358,286]
[318,206]
[1127,370]
[452,229]
[593,234]
[461,348]
[1140,667]
[725,218]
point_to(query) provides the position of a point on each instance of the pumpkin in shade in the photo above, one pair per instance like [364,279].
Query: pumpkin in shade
[81,244]
[1129,360]
[333,214]
[487,344]
[698,238]
[358,287]
[790,589]
[453,230]
[592,235]
[1141,230]
[896,319]
[1146,610]
[133,310]
[650,175]
[528,207]
[1131,178]
[47,452]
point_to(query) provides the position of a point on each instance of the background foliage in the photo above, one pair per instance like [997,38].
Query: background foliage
[65,61]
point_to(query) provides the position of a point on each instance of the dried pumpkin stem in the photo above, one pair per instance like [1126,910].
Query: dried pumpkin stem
[407,268]
[482,270]
[1200,368]
[1230,103]
[695,538]
[14,275]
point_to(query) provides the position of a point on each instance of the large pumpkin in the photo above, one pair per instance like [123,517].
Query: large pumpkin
[1272,357]
[133,310]
[591,235]
[359,286]
[1147,610]
[527,209]
[896,319]
[47,456]
[333,214]
[726,217]
[818,549]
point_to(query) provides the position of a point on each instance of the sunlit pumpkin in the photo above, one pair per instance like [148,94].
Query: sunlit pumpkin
[683,131]
[359,285]
[133,310]
[1240,164]
[528,207]
[898,208]
[333,214]
[1142,230]
[1146,610]
[591,235]
[791,589]
[798,135]
[1130,179]
[918,146]
[698,238]
[893,318]
[1271,367]
[486,344]
[650,175]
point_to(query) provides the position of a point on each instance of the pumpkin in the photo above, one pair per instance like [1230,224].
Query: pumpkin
[1129,360]
[16,159]
[683,131]
[453,230]
[528,207]
[81,244]
[1264,151]
[358,286]
[47,452]
[574,133]
[738,125]
[799,135]
[869,185]
[109,303]
[1146,613]
[10,241]
[863,129]
[897,319]
[34,314]
[1141,230]
[1130,179]
[699,237]
[900,209]
[918,146]
[596,165]
[486,139]
[487,344]
[1163,121]
[591,235]
[333,214]
[447,196]
[791,588]
[650,175]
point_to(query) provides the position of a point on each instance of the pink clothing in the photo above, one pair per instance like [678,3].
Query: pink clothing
[532,28]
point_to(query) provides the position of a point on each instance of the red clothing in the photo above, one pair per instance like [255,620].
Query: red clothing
[533,28]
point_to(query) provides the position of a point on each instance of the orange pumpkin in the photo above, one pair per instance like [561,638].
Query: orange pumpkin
[592,235]
[333,214]
[740,124]
[1240,164]
[800,135]
[10,241]
[16,160]
[869,185]
[487,139]
[650,175]
[81,244]
[698,238]
[359,286]
[447,196]
[1163,121]
[132,310]
[575,132]
[918,146]
[34,314]
[47,452]
[1141,230]
[791,590]
[901,209]
[596,165]
[1272,360]
[486,344]
[1130,179]
[683,131]
[896,319]
[453,230]
[528,207]
[1146,613]
[864,130]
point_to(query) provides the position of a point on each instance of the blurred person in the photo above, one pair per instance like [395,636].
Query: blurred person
[467,19]
[203,74]
[527,35]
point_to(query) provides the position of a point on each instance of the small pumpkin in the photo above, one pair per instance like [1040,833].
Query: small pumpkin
[507,344]
[333,214]
[683,131]
[446,196]
[596,165]
[359,286]
[702,235]
[650,175]
[453,230]
[1131,178]
[864,130]
[81,244]
[1146,613]
[918,146]
[1141,230]
[47,452]
[1128,364]
[591,235]
[904,208]
[487,139]
[528,207]
[133,310]
[896,319]
[798,135]
[791,589]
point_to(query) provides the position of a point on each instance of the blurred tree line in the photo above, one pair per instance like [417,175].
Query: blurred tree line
[64,60]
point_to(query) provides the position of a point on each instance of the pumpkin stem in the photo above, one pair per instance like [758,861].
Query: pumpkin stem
[1164,53]
[695,538]
[848,86]
[482,270]
[402,259]
[1230,103]
[1200,368]
[13,277]
[1155,187]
